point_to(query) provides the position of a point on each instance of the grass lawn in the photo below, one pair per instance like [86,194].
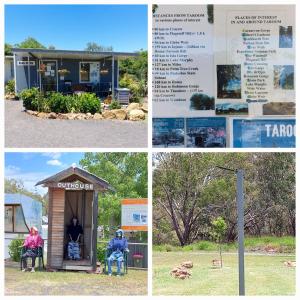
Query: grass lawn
[73,283]
[284,244]
[265,274]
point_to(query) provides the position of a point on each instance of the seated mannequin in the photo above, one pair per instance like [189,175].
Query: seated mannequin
[117,245]
[32,242]
[74,232]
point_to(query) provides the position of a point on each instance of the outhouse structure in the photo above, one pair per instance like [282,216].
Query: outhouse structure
[73,192]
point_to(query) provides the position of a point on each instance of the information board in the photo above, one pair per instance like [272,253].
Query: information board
[221,61]
[134,214]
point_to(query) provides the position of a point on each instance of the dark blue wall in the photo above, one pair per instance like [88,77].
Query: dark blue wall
[73,66]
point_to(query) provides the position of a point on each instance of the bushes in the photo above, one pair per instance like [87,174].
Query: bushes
[115,105]
[14,249]
[10,87]
[136,87]
[33,99]
[101,249]
[59,103]
[88,103]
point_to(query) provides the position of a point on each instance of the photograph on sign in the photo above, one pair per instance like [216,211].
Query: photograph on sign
[206,132]
[168,132]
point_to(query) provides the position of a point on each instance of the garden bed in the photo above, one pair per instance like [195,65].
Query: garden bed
[83,106]
[134,112]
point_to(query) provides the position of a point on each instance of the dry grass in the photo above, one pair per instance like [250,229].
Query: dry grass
[73,283]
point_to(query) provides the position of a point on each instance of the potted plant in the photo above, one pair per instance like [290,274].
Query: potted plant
[42,68]
[63,72]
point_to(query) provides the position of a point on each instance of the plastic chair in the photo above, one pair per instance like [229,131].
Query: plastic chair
[108,252]
[40,256]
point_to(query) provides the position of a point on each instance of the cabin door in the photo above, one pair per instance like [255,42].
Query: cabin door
[48,75]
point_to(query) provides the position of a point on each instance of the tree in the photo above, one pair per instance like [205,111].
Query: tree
[7,49]
[94,47]
[276,182]
[13,186]
[30,42]
[135,68]
[219,228]
[189,192]
[126,172]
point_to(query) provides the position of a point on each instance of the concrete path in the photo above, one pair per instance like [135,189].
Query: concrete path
[25,131]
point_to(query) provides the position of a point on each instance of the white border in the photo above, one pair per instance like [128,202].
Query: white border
[149,149]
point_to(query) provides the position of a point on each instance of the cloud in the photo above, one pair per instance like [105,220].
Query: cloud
[52,155]
[54,162]
[10,170]
[29,179]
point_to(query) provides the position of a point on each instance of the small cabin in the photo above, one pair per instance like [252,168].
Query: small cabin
[73,192]
[68,71]
[20,214]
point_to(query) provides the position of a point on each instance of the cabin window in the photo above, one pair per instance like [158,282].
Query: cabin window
[14,219]
[89,72]
[9,219]
[84,72]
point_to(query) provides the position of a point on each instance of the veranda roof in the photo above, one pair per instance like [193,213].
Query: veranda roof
[70,54]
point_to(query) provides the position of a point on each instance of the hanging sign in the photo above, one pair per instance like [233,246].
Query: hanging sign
[74,186]
[30,63]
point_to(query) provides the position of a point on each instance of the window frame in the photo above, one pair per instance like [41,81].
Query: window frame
[87,62]
[14,206]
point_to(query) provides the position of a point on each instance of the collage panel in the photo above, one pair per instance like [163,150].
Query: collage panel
[74,219]
[65,92]
[232,61]
[223,223]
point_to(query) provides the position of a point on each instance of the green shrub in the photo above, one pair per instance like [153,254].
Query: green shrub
[114,105]
[88,102]
[135,86]
[169,248]
[188,248]
[14,249]
[29,97]
[205,246]
[101,249]
[10,86]
[33,99]
[59,103]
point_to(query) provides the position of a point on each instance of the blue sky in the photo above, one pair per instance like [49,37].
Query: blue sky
[32,167]
[71,27]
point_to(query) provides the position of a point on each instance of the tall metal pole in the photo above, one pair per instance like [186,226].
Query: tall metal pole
[240,210]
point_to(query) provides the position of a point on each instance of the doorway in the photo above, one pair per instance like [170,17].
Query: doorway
[48,76]
[79,204]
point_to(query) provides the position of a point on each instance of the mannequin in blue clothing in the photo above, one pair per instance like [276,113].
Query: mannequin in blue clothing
[117,245]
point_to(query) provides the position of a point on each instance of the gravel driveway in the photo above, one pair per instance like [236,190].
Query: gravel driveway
[26,131]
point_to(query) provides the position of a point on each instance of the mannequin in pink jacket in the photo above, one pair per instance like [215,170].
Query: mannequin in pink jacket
[31,243]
